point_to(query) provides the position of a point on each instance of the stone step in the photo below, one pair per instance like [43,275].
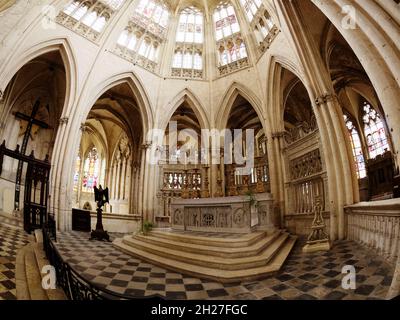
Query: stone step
[33,277]
[223,252]
[223,276]
[21,283]
[30,261]
[244,240]
[207,260]
[41,260]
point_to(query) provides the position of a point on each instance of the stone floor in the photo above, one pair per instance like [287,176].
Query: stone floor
[303,277]
[11,239]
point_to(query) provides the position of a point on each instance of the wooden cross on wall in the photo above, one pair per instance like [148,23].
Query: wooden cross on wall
[31,121]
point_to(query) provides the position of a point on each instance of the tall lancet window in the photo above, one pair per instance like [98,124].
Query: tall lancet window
[251,7]
[141,40]
[188,55]
[231,48]
[77,172]
[260,22]
[357,147]
[375,132]
[88,17]
[91,171]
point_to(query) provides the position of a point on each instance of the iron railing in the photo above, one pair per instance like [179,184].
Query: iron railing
[75,286]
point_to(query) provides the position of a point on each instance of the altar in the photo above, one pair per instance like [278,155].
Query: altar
[237,214]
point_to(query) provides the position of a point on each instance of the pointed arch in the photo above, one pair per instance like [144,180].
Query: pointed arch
[194,103]
[277,100]
[228,100]
[16,61]
[138,90]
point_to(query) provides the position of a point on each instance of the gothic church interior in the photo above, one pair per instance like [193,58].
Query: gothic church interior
[211,149]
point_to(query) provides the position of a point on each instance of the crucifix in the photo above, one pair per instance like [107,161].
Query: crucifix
[31,121]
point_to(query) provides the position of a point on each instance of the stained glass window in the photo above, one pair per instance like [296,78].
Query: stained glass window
[231,46]
[88,13]
[146,30]
[91,171]
[251,7]
[374,130]
[189,42]
[154,13]
[113,4]
[77,172]
[226,22]
[190,28]
[232,51]
[356,147]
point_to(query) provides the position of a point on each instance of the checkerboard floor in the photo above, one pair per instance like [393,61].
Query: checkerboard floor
[303,277]
[11,239]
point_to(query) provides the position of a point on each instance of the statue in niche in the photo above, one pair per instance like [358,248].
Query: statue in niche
[124,145]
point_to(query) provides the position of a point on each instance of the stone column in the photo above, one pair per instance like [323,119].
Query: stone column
[144,181]
[118,180]
[123,178]
[342,179]
[377,25]
[113,179]
[279,192]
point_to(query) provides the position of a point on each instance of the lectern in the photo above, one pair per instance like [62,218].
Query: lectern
[101,198]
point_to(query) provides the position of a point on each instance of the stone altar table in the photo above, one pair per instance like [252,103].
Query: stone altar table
[236,214]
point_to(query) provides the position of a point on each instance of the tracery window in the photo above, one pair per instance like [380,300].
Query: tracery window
[141,40]
[251,7]
[88,17]
[374,130]
[260,22]
[231,48]
[91,171]
[77,172]
[188,55]
[356,147]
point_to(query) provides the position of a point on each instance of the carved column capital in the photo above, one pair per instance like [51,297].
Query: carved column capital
[278,134]
[64,120]
[83,128]
[147,145]
[324,98]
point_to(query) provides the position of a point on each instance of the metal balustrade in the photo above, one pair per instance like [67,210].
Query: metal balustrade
[74,285]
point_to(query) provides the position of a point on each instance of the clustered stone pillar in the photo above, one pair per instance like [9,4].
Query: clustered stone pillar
[279,161]
[342,180]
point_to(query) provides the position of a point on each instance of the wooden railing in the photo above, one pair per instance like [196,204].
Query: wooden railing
[376,225]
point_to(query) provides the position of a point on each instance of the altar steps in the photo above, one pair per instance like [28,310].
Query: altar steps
[251,257]
[244,240]
[219,249]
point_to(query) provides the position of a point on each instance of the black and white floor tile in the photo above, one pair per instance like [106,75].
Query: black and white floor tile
[303,277]
[11,239]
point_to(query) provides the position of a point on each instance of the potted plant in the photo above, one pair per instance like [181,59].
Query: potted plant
[147,227]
